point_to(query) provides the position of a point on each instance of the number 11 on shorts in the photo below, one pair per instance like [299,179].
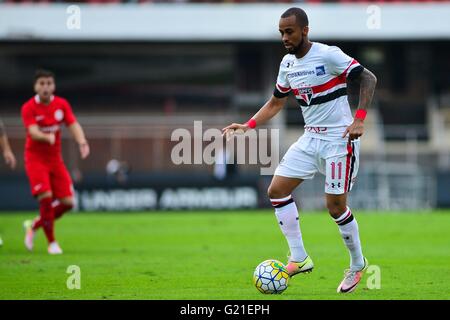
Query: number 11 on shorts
[333,170]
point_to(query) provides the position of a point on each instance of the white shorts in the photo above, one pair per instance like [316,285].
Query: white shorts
[337,160]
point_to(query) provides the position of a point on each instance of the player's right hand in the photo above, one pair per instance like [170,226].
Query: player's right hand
[51,138]
[234,128]
[84,150]
[10,159]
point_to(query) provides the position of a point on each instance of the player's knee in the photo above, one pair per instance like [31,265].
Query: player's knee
[336,208]
[44,195]
[68,202]
[276,193]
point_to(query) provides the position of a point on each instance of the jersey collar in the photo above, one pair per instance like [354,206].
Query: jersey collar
[307,53]
[38,99]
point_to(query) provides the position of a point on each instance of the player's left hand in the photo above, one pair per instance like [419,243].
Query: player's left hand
[234,128]
[84,150]
[355,130]
[10,159]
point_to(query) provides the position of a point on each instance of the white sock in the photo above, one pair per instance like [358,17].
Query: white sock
[348,227]
[287,216]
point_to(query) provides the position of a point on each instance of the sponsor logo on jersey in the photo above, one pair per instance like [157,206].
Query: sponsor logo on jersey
[321,130]
[59,115]
[48,129]
[300,74]
[320,70]
[39,118]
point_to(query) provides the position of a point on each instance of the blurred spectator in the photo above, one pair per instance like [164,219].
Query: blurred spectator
[225,167]
[117,171]
[77,175]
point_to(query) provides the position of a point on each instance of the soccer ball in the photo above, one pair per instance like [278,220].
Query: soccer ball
[271,277]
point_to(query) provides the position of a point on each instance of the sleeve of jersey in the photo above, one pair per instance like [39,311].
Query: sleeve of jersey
[69,117]
[27,116]
[282,87]
[339,63]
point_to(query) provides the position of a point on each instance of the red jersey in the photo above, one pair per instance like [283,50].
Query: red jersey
[48,118]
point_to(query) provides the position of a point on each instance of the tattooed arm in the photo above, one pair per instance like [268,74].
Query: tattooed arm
[360,90]
[5,147]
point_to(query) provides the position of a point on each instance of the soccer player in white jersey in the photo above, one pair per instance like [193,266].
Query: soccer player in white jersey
[326,83]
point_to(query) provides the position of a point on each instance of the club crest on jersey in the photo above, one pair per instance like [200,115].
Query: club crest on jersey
[59,115]
[305,94]
[320,70]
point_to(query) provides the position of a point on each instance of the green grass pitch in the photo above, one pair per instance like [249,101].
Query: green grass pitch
[212,255]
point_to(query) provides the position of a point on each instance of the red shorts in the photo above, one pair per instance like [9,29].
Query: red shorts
[48,176]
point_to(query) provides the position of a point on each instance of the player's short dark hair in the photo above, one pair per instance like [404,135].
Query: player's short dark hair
[300,16]
[42,73]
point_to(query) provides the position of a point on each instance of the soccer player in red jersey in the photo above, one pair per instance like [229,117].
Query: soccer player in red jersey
[50,181]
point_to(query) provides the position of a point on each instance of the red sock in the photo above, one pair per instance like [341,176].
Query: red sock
[58,211]
[47,218]
[37,223]
[60,208]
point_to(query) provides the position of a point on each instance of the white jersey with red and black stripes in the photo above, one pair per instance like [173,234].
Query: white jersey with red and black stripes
[318,81]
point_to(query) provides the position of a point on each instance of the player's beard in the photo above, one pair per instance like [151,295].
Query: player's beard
[296,49]
[45,98]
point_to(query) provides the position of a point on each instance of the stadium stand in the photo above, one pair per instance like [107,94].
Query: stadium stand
[220,82]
